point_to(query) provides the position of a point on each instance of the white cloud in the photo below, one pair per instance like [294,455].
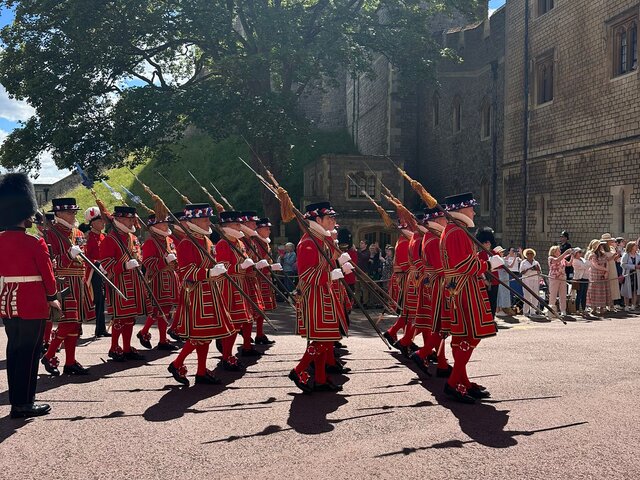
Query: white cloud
[492,11]
[14,110]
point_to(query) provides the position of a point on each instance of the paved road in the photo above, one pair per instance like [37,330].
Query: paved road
[565,406]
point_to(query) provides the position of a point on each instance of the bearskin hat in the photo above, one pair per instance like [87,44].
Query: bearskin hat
[344,237]
[17,199]
[486,234]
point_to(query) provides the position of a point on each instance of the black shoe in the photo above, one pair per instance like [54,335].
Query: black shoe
[29,410]
[43,351]
[133,355]
[422,364]
[389,338]
[414,347]
[117,355]
[327,387]
[145,340]
[173,335]
[219,345]
[51,366]
[264,340]
[444,372]
[338,368]
[432,357]
[104,334]
[250,353]
[404,350]
[179,374]
[252,340]
[458,395]
[232,365]
[170,347]
[208,379]
[338,345]
[75,369]
[477,393]
[478,386]
[302,381]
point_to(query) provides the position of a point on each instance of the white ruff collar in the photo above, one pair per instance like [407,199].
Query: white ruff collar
[435,226]
[66,224]
[123,228]
[248,232]
[197,229]
[266,239]
[157,231]
[406,233]
[422,229]
[233,233]
[463,218]
[315,226]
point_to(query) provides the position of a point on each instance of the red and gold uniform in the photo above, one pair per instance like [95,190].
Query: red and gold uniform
[466,299]
[268,295]
[71,273]
[160,261]
[95,237]
[121,258]
[201,314]
[412,286]
[397,283]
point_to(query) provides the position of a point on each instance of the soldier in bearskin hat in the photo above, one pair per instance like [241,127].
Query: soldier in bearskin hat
[201,314]
[67,243]
[121,256]
[466,299]
[93,218]
[27,292]
[160,261]
[320,317]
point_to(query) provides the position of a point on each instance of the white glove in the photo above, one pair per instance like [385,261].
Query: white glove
[75,251]
[262,264]
[131,264]
[218,270]
[344,258]
[336,274]
[496,262]
[276,267]
[171,257]
[247,263]
[347,268]
[102,269]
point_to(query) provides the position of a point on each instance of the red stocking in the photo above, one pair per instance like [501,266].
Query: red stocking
[127,333]
[202,351]
[259,326]
[246,336]
[395,328]
[187,349]
[227,346]
[407,338]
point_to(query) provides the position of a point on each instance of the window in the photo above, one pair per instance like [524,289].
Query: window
[457,115]
[367,183]
[544,79]
[625,46]
[485,120]
[436,109]
[371,185]
[544,6]
[353,190]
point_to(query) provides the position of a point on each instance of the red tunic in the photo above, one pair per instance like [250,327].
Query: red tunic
[251,278]
[163,281]
[201,313]
[318,311]
[466,299]
[416,268]
[92,248]
[400,267]
[114,259]
[72,274]
[267,294]
[431,284]
[240,310]
[350,278]
[24,255]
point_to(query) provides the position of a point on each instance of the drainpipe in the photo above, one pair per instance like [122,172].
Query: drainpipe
[525,131]
[494,145]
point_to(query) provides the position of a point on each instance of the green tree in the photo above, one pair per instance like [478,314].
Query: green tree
[121,80]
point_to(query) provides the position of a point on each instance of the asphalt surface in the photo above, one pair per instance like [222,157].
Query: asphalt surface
[564,405]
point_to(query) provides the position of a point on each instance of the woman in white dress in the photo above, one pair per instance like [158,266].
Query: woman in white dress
[530,270]
[631,268]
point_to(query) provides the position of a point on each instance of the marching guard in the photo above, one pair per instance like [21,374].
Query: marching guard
[160,262]
[93,218]
[320,317]
[176,236]
[262,242]
[201,314]
[66,243]
[27,292]
[398,280]
[466,299]
[120,254]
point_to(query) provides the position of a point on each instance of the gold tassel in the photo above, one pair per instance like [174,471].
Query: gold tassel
[426,197]
[388,222]
[286,206]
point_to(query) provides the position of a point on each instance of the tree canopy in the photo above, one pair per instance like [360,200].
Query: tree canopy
[115,80]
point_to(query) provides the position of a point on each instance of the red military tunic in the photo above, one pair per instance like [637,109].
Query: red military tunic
[267,294]
[238,307]
[251,278]
[338,287]
[92,248]
[466,299]
[25,258]
[163,281]
[431,284]
[319,313]
[72,274]
[400,268]
[201,313]
[416,268]
[114,259]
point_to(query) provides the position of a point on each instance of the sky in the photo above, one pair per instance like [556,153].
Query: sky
[13,111]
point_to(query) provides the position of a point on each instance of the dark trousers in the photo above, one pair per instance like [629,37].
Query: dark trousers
[24,341]
[98,300]
[581,294]
[493,298]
